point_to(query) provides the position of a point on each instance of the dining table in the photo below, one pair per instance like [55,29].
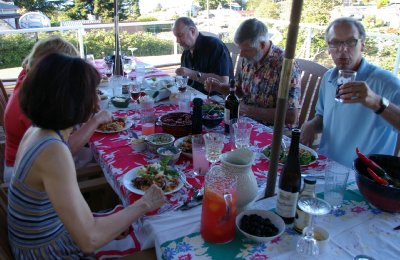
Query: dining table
[356,228]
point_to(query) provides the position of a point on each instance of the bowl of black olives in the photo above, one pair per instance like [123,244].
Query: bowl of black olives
[260,225]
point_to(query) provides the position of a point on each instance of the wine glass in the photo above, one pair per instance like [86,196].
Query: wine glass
[181,82]
[108,69]
[307,245]
[135,92]
[214,143]
[127,67]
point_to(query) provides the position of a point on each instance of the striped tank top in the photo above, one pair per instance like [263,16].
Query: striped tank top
[34,229]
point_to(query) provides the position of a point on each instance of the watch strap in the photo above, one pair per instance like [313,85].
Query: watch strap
[384,103]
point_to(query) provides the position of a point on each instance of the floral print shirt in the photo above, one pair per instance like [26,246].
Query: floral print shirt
[260,82]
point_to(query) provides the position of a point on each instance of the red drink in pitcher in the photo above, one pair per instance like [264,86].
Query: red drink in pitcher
[218,223]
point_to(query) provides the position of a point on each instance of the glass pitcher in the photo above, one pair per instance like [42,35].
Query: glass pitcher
[219,207]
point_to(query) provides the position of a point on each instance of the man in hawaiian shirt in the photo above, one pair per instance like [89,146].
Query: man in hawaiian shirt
[258,80]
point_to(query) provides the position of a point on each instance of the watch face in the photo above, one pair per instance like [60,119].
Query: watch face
[385,102]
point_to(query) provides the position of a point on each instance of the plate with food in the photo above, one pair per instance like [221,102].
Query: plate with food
[139,179]
[185,144]
[118,124]
[307,155]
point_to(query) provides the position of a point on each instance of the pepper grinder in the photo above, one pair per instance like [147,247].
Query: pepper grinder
[197,116]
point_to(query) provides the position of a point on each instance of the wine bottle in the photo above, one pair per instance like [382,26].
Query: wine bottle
[302,219]
[197,116]
[289,182]
[231,106]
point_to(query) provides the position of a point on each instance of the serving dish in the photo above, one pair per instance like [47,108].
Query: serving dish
[118,124]
[185,144]
[306,154]
[177,124]
[132,174]
[120,102]
[155,141]
[274,219]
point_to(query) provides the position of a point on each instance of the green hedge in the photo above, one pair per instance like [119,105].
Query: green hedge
[15,47]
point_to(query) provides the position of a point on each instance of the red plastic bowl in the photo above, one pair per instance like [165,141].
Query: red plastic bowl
[386,198]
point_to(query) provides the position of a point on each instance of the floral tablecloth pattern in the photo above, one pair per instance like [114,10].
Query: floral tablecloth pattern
[355,228]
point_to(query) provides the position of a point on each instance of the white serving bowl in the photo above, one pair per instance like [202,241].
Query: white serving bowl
[139,144]
[171,151]
[276,220]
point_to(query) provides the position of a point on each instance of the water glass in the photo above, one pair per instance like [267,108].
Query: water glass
[336,176]
[184,99]
[90,59]
[200,163]
[214,145]
[115,83]
[344,76]
[242,130]
[231,133]
[140,73]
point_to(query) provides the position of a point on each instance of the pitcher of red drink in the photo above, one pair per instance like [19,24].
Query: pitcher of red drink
[219,207]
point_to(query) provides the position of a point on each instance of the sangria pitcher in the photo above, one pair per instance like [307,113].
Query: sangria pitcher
[219,207]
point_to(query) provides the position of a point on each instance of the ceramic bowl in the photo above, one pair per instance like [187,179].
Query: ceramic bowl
[171,151]
[383,197]
[158,140]
[138,144]
[276,220]
[177,124]
[120,102]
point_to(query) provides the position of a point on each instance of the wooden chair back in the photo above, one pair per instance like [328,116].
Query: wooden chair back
[5,251]
[311,76]
[235,55]
[3,102]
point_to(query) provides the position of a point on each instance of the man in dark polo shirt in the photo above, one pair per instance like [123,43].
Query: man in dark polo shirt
[203,56]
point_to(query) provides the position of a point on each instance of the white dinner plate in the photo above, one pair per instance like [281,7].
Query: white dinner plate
[128,125]
[132,174]
[300,146]
[178,143]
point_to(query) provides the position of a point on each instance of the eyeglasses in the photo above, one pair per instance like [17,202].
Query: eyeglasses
[347,43]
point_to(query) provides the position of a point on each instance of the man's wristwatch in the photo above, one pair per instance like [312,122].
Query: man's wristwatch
[198,75]
[383,105]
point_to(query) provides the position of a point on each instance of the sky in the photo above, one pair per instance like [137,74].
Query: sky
[146,5]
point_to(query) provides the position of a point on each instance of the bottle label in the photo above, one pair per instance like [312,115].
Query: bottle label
[227,116]
[301,220]
[286,203]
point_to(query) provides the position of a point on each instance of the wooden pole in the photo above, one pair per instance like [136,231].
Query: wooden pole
[281,107]
[117,56]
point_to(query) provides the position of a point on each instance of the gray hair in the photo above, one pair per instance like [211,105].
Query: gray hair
[251,30]
[186,21]
[350,21]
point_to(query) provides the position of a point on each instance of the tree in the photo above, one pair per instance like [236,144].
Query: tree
[266,8]
[44,6]
[213,4]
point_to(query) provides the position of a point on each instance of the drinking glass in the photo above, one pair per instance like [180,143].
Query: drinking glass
[135,92]
[140,70]
[336,176]
[200,163]
[344,76]
[115,82]
[242,130]
[90,59]
[214,144]
[127,67]
[184,99]
[307,245]
[108,69]
[181,82]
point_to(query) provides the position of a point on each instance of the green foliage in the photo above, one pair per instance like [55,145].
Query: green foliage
[213,4]
[380,3]
[98,42]
[268,9]
[104,9]
[318,11]
[146,19]
[46,7]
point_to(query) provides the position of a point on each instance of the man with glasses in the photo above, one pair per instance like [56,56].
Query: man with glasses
[203,56]
[368,115]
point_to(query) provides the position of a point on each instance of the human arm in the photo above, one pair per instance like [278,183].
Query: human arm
[266,115]
[55,168]
[81,136]
[193,74]
[310,129]
[360,92]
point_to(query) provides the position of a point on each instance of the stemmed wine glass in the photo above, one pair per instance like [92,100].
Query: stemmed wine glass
[108,69]
[135,92]
[214,143]
[307,245]
[181,82]
[127,67]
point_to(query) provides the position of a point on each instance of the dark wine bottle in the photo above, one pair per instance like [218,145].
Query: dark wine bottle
[231,106]
[290,182]
[197,117]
